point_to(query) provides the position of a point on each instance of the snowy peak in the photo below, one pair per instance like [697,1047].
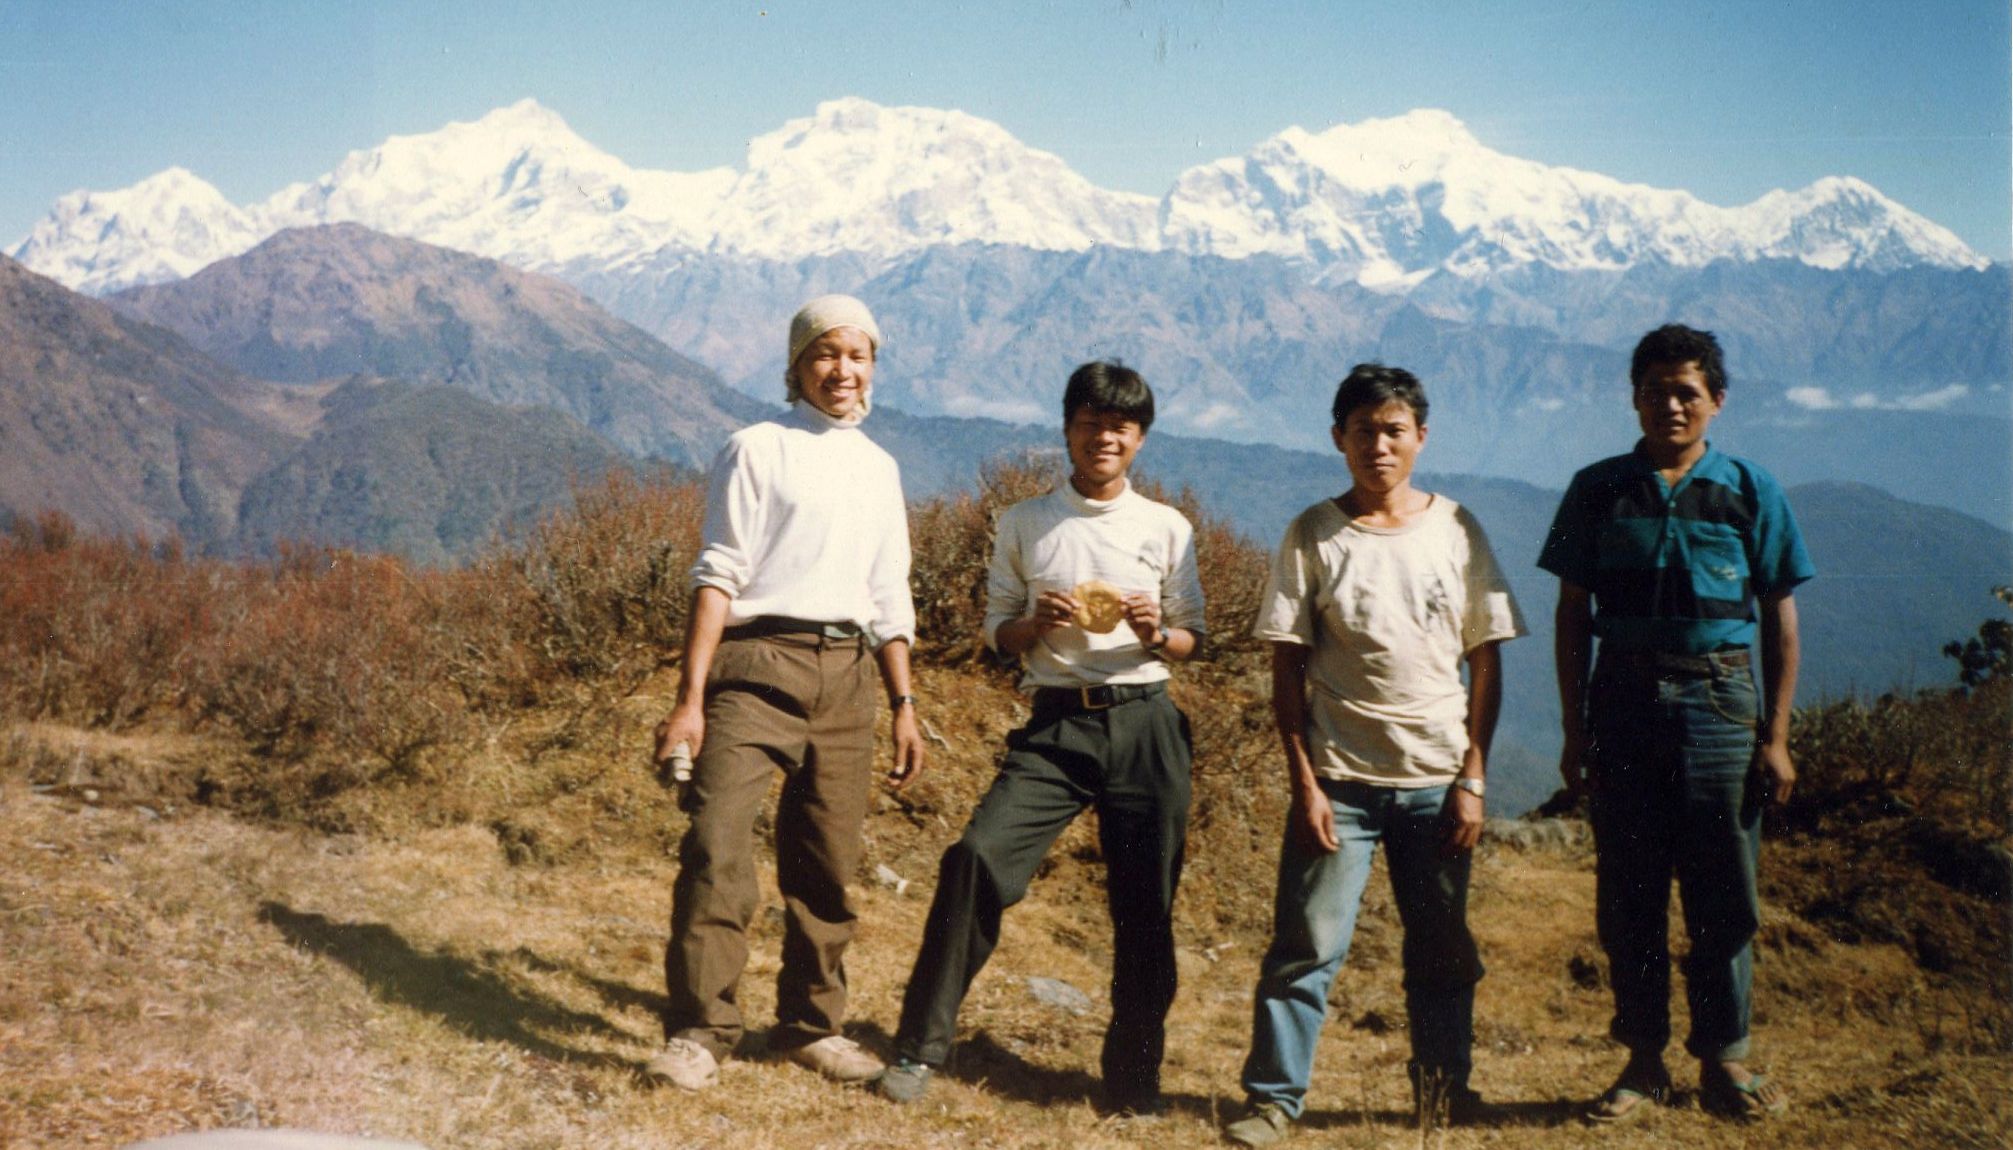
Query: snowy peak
[856,176]
[165,227]
[1843,221]
[1386,202]
[516,184]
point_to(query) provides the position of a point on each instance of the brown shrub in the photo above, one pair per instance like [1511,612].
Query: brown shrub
[96,631]
[952,539]
[599,591]
[331,651]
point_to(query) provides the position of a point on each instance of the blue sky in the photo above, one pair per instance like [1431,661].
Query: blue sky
[1725,99]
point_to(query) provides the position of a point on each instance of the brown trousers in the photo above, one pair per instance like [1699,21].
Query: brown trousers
[804,704]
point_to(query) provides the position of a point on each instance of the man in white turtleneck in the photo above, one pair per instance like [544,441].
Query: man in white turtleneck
[1103,734]
[800,589]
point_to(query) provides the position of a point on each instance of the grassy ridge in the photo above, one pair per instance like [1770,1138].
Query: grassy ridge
[442,918]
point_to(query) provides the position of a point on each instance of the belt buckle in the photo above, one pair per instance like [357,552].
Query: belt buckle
[1090,696]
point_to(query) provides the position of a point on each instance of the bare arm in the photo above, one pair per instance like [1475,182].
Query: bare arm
[687,721]
[1485,704]
[1573,651]
[910,757]
[1311,815]
[1781,655]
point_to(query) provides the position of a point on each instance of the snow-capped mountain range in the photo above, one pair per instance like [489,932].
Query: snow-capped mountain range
[1385,203]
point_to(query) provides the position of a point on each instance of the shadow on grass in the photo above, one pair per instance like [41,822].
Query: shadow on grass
[463,992]
[1559,1112]
[620,995]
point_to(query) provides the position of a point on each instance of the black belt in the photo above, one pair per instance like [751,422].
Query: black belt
[1685,666]
[763,626]
[1102,697]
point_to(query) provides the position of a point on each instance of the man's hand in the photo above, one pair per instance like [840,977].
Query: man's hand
[910,758]
[1771,761]
[686,724]
[1142,614]
[1054,609]
[1464,820]
[1314,820]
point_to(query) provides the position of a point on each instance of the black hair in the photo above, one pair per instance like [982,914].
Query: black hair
[1108,387]
[1674,343]
[1374,385]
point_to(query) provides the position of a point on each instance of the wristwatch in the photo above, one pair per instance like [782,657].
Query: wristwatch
[1472,786]
[1160,638]
[896,702]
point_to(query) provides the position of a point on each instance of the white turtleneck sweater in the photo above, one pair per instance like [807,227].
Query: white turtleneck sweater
[1054,542]
[804,518]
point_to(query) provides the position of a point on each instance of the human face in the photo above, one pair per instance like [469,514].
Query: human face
[1675,405]
[836,370]
[1381,444]
[1102,445]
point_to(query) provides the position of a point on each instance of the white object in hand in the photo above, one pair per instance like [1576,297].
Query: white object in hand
[680,763]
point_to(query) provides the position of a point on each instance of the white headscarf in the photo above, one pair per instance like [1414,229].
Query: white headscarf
[815,319]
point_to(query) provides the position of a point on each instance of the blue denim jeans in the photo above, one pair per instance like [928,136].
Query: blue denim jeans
[1314,918]
[1676,797]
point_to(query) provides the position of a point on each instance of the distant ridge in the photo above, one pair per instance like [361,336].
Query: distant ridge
[339,300]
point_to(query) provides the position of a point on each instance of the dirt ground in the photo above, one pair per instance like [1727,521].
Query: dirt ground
[170,967]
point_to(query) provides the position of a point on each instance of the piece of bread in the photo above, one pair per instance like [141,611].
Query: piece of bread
[1099,606]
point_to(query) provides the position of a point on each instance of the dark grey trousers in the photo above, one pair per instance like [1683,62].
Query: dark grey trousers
[1130,762]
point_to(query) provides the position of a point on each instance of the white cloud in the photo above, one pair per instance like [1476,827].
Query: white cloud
[1821,399]
[1936,400]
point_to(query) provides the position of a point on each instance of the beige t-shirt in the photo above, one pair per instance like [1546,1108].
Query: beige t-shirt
[1389,613]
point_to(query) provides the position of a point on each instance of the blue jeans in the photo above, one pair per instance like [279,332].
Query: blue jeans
[1314,918]
[1676,798]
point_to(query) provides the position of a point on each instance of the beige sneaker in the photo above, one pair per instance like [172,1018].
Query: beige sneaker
[684,1064]
[840,1059]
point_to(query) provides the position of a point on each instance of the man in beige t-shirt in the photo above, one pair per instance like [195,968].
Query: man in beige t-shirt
[1376,598]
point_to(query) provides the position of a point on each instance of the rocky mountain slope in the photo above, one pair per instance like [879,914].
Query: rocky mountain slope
[333,301]
[121,424]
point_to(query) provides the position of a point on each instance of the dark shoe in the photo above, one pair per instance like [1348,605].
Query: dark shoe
[1262,1124]
[1144,1107]
[1438,1096]
[904,1082]
[1467,1108]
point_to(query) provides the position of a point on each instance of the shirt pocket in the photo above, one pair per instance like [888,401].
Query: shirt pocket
[1717,563]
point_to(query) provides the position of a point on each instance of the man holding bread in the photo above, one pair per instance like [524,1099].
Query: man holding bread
[1094,587]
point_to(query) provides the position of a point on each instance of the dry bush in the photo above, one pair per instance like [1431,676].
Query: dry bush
[952,540]
[96,631]
[1233,570]
[331,651]
[1898,834]
[601,588]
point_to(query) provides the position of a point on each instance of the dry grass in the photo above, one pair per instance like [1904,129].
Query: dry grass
[339,844]
[172,967]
